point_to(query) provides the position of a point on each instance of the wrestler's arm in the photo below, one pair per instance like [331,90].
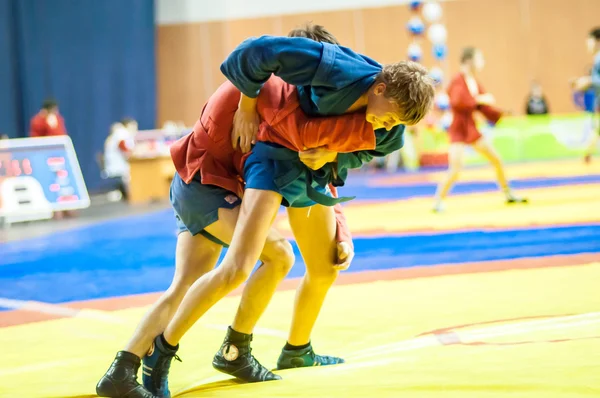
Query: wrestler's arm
[343,237]
[592,81]
[491,113]
[343,232]
[321,139]
[386,143]
[347,133]
[582,83]
[296,60]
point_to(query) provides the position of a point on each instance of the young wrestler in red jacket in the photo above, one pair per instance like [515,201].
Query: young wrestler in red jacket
[209,176]
[468,96]
[206,197]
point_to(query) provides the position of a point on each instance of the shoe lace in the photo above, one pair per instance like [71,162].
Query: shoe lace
[324,359]
[163,365]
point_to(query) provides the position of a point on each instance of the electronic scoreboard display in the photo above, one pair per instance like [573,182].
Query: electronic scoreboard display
[34,167]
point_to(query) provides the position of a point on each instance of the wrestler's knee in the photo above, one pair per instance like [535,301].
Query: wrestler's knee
[177,290]
[235,268]
[323,275]
[192,262]
[279,256]
[232,275]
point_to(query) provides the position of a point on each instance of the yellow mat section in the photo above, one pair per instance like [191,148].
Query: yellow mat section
[548,206]
[375,326]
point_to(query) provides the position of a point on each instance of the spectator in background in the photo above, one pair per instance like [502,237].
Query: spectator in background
[131,125]
[170,127]
[117,149]
[48,121]
[536,102]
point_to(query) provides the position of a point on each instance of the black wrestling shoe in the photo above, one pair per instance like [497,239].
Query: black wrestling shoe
[120,380]
[235,358]
[512,199]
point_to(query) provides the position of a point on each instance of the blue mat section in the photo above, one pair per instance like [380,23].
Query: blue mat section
[136,255]
[358,187]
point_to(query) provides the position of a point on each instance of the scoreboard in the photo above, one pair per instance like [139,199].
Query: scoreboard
[151,143]
[40,175]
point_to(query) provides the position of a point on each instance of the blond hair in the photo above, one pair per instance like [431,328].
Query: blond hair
[409,85]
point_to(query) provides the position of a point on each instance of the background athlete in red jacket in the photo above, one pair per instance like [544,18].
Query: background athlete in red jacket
[468,96]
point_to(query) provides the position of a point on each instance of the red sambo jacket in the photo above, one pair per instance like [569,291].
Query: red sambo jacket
[463,128]
[208,149]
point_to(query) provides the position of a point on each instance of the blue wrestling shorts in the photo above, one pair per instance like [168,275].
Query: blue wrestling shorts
[269,168]
[197,205]
[280,175]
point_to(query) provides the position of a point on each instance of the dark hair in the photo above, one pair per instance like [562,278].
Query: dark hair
[314,32]
[49,103]
[468,53]
[595,33]
[410,86]
[126,120]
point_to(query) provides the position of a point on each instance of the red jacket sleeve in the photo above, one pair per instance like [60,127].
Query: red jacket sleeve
[343,232]
[461,99]
[491,113]
[37,127]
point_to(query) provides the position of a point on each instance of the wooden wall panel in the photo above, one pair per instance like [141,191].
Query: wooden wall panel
[495,27]
[187,69]
[385,35]
[341,23]
[522,40]
[240,30]
[558,31]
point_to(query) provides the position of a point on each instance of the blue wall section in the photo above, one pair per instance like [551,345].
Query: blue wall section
[10,115]
[97,58]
